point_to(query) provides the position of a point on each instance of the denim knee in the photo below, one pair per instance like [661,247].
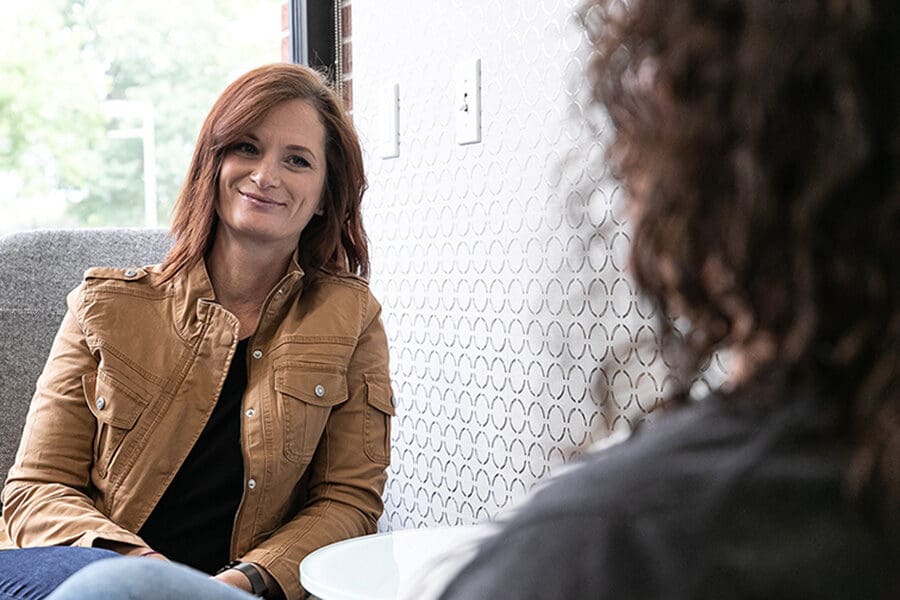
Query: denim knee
[143,579]
[33,573]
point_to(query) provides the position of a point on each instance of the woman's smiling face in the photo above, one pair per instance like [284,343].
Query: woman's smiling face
[271,180]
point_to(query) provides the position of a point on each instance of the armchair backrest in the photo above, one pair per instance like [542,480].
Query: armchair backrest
[37,270]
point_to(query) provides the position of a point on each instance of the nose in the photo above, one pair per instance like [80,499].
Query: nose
[266,174]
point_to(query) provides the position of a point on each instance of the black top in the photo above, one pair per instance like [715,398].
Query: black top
[710,502]
[193,522]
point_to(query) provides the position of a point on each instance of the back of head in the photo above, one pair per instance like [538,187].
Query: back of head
[759,143]
[335,239]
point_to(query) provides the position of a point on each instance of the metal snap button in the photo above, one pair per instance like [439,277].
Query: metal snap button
[250,412]
[257,354]
[251,484]
[100,403]
[130,273]
[320,390]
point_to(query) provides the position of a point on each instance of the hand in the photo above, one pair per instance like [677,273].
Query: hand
[235,578]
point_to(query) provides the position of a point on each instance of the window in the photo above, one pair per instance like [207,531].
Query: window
[101,101]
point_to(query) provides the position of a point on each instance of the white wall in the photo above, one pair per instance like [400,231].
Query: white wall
[500,265]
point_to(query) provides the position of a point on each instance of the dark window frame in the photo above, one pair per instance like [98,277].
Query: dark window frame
[313,34]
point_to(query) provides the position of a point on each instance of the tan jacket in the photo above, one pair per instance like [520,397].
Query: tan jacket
[133,375]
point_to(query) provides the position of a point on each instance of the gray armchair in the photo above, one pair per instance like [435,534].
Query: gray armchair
[37,270]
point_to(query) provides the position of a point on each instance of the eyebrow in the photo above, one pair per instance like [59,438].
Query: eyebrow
[292,147]
[295,147]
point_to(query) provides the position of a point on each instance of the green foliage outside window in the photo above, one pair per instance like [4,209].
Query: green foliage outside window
[61,61]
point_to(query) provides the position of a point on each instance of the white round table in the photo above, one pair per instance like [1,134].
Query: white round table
[387,566]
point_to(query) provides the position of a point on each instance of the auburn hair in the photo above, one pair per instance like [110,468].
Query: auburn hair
[759,145]
[335,239]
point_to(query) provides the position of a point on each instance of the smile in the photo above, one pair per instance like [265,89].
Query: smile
[258,200]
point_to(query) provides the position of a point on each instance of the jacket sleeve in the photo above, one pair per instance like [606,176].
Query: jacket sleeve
[47,495]
[347,472]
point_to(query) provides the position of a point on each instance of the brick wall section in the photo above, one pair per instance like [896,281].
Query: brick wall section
[347,53]
[285,31]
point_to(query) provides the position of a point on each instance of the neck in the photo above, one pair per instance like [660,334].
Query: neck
[243,273]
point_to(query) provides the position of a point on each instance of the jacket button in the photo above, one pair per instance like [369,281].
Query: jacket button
[251,483]
[320,390]
[250,412]
[130,273]
[257,354]
[100,403]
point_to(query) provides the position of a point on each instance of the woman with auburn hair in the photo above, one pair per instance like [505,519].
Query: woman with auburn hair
[229,409]
[758,142]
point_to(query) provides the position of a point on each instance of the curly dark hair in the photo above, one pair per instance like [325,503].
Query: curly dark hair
[758,142]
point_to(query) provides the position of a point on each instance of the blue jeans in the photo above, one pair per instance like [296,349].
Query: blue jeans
[144,579]
[32,573]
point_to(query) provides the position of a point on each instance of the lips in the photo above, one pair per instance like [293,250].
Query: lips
[257,199]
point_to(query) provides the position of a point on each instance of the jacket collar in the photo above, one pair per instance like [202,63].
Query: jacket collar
[194,293]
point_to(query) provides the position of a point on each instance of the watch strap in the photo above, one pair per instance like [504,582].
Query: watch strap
[257,584]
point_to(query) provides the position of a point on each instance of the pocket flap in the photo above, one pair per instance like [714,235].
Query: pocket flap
[379,394]
[110,401]
[311,385]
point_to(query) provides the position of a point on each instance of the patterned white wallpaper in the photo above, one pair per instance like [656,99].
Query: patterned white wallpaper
[516,335]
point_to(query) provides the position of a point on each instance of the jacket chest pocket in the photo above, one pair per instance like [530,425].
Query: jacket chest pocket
[306,396]
[116,409]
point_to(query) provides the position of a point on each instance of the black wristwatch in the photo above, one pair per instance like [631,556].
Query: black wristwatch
[257,584]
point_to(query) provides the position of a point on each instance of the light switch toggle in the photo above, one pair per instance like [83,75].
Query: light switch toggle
[389,127]
[467,77]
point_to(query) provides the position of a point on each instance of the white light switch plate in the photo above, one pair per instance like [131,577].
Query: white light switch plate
[467,101]
[389,126]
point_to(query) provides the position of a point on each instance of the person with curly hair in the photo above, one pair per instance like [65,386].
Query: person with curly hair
[758,142]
